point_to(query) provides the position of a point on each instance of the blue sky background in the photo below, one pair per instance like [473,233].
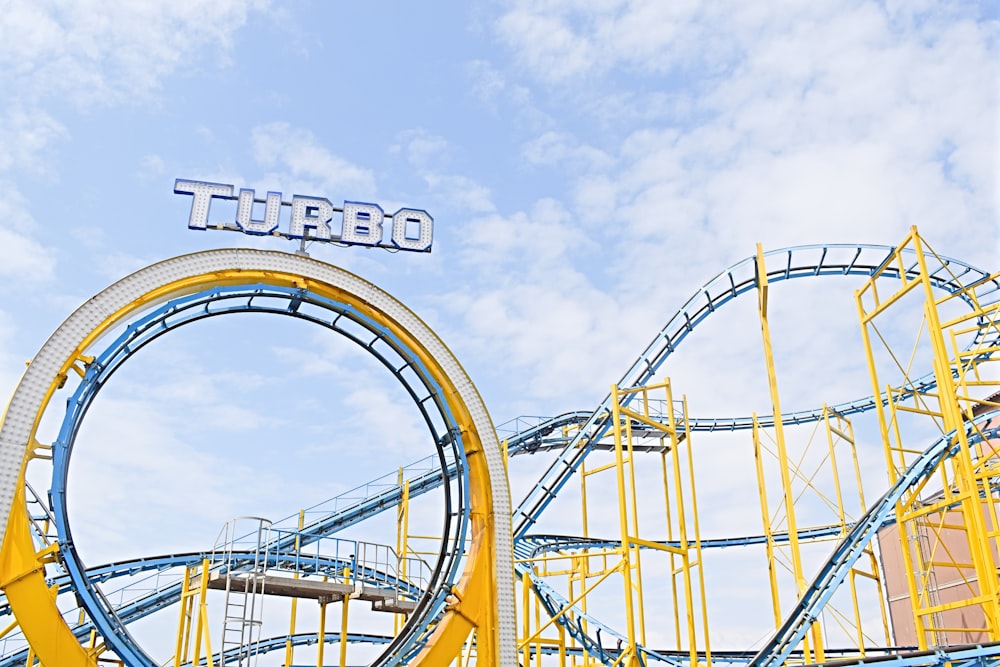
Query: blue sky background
[588,165]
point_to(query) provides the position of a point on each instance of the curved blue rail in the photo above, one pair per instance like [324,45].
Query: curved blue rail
[785,264]
[300,303]
[831,575]
[538,545]
[540,434]
[780,645]
[168,594]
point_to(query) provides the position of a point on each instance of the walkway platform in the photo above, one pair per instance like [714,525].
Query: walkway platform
[382,599]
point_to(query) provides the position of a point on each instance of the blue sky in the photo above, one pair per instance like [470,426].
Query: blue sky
[588,165]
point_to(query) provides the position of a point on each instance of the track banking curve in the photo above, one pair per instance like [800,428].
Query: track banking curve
[953,277]
[574,435]
[799,262]
[462,422]
[217,301]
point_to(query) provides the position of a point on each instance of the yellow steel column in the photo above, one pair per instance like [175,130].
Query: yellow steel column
[783,462]
[402,538]
[894,458]
[348,579]
[184,623]
[685,544]
[201,627]
[765,513]
[321,633]
[697,528]
[951,412]
[633,499]
[833,467]
[289,647]
[840,426]
[343,632]
[526,618]
[625,565]
[842,520]
[872,560]
[670,537]
[538,637]
[583,561]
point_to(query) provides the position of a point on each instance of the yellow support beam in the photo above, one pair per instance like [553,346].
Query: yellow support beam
[935,527]
[815,652]
[475,603]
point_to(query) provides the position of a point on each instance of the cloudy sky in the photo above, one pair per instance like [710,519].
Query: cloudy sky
[588,165]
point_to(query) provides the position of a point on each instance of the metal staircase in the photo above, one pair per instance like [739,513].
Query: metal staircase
[242,547]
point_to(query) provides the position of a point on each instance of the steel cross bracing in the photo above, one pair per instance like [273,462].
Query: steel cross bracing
[161,592]
[537,435]
[349,508]
[537,545]
[345,510]
[278,643]
[367,500]
[729,284]
[590,427]
[799,262]
[339,512]
[832,573]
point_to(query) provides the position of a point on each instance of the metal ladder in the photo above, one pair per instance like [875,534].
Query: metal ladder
[242,548]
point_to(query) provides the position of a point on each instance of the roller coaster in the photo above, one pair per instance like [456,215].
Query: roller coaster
[910,578]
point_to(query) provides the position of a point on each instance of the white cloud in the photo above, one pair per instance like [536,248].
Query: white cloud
[116,265]
[430,154]
[94,53]
[375,405]
[91,238]
[212,399]
[137,487]
[547,44]
[359,395]
[567,41]
[23,260]
[557,148]
[86,53]
[817,123]
[422,149]
[487,83]
[461,192]
[533,306]
[151,166]
[11,368]
[307,166]
[24,138]
[492,89]
[534,242]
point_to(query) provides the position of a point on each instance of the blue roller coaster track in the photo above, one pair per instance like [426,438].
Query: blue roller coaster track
[571,437]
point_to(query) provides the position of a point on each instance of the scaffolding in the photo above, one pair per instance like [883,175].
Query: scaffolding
[640,550]
[947,526]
